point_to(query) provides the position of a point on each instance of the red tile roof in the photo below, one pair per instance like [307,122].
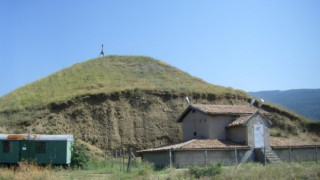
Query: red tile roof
[212,144]
[285,142]
[221,110]
[240,121]
[195,144]
[226,109]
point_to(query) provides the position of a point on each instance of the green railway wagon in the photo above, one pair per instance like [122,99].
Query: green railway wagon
[41,149]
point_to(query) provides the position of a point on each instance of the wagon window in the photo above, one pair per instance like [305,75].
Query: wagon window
[40,147]
[6,146]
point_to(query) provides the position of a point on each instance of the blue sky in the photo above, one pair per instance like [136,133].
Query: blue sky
[248,45]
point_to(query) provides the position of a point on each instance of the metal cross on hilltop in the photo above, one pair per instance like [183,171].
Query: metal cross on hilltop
[102,52]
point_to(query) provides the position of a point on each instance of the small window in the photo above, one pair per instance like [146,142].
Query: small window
[6,146]
[40,147]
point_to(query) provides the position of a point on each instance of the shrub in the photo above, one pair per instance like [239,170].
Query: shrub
[144,172]
[211,170]
[292,129]
[80,157]
[137,93]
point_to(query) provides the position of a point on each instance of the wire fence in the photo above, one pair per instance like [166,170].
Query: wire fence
[122,160]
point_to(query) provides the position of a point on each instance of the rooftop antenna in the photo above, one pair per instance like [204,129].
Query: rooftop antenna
[102,52]
[252,101]
[187,99]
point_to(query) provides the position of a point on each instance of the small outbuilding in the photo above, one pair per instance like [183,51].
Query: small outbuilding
[241,124]
[230,134]
[41,149]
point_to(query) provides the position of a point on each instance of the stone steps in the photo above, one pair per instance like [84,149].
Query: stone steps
[271,156]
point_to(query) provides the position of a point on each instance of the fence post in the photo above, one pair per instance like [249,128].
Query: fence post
[290,154]
[136,164]
[129,161]
[264,153]
[121,155]
[120,160]
[116,159]
[206,156]
[316,153]
[106,157]
[236,155]
[111,158]
[123,164]
[170,158]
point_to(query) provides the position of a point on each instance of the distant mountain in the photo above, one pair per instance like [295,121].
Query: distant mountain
[305,102]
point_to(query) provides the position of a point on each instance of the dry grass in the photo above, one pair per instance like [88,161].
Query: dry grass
[27,171]
[101,170]
[305,170]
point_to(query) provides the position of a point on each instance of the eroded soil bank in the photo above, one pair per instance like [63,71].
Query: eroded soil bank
[130,119]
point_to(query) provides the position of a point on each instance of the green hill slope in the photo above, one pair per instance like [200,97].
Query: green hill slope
[125,101]
[106,75]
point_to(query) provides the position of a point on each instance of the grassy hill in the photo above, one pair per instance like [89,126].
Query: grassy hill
[302,101]
[125,101]
[106,75]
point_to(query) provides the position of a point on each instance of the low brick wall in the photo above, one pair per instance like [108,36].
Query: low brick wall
[297,153]
[186,158]
[159,159]
[200,157]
